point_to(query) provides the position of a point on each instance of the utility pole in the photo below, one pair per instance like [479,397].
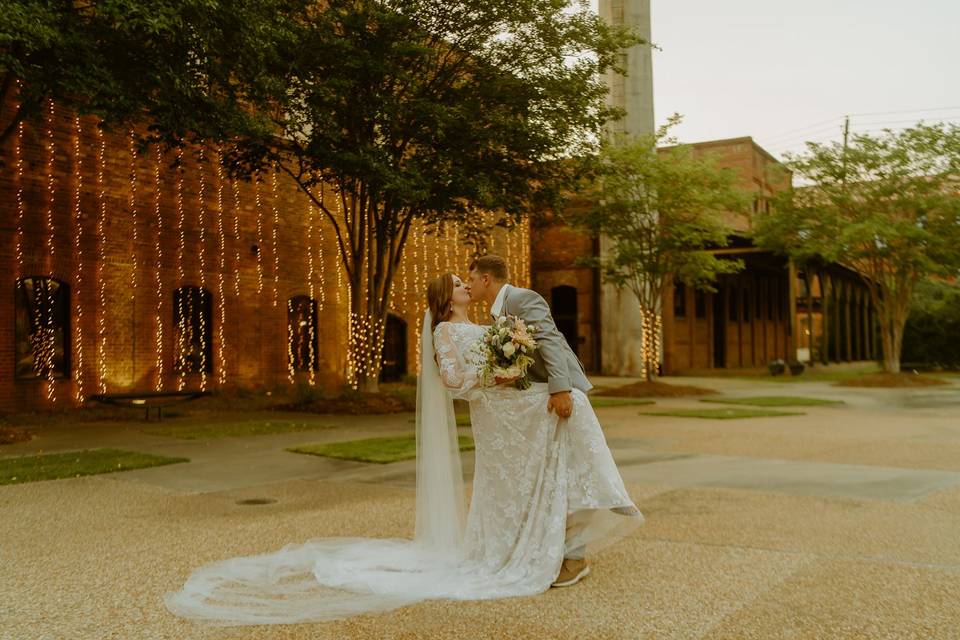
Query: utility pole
[846,140]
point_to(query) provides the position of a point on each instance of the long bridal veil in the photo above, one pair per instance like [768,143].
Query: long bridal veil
[331,578]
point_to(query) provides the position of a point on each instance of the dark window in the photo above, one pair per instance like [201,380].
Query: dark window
[563,303]
[394,364]
[679,300]
[42,333]
[302,333]
[747,298]
[193,330]
[700,303]
[760,290]
[773,292]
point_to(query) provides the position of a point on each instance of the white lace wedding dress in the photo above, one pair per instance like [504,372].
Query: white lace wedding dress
[532,471]
[535,476]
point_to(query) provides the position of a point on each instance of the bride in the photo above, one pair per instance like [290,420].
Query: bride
[544,488]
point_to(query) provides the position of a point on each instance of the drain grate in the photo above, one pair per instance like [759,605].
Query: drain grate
[256,501]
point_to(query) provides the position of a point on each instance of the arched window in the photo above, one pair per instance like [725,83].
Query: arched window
[394,364]
[193,330]
[563,303]
[302,348]
[42,333]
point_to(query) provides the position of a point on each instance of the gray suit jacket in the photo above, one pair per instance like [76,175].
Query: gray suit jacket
[554,362]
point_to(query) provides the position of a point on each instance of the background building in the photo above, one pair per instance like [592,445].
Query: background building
[124,275]
[770,310]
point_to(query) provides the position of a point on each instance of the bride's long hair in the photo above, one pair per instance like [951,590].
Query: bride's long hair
[440,298]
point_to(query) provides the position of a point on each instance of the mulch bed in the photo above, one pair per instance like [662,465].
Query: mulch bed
[654,389]
[10,435]
[359,404]
[893,380]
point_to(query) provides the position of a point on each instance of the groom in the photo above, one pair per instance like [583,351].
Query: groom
[554,361]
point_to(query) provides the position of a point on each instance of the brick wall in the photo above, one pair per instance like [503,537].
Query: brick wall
[126,231]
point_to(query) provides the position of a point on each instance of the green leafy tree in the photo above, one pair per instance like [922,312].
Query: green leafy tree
[661,213]
[179,65]
[382,111]
[930,335]
[393,111]
[886,205]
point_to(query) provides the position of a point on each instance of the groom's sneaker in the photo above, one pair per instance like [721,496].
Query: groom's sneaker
[571,572]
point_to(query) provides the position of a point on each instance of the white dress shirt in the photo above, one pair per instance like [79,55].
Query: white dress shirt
[497,305]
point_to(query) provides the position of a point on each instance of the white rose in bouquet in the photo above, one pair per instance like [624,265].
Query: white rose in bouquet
[504,351]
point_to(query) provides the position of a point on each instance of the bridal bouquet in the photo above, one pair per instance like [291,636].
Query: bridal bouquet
[506,351]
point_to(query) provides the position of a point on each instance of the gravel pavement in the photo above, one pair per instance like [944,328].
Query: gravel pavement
[871,550]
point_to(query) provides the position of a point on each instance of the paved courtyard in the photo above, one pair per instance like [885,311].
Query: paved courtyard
[840,523]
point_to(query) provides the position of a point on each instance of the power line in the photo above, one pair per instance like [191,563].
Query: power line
[787,136]
[887,113]
[823,135]
[912,120]
[792,131]
[805,136]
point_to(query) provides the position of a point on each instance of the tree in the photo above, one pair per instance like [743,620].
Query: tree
[392,111]
[885,205]
[661,213]
[382,111]
[930,335]
[170,63]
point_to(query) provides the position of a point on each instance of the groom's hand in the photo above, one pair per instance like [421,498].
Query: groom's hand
[561,403]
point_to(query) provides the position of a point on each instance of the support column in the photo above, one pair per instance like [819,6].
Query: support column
[848,335]
[791,324]
[825,308]
[621,321]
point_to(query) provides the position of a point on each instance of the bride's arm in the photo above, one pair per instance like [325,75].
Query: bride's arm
[458,375]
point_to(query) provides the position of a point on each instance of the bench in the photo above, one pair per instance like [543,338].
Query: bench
[149,400]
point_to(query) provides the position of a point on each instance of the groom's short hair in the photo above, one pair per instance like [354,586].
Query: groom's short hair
[492,265]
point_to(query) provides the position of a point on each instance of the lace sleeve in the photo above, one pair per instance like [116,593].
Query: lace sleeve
[458,375]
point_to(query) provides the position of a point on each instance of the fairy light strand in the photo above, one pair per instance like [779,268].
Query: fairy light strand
[181,251]
[259,214]
[236,238]
[222,246]
[158,265]
[291,319]
[276,225]
[47,339]
[201,223]
[101,263]
[78,249]
[311,319]
[21,208]
[133,242]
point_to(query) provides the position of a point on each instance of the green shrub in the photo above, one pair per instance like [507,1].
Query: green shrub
[931,335]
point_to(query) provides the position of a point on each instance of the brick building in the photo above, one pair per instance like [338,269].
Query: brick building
[123,274]
[770,310]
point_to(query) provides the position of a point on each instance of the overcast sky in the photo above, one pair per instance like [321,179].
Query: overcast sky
[783,72]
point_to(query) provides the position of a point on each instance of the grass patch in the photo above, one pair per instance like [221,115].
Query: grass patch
[378,450]
[652,389]
[214,430]
[775,401]
[600,401]
[721,414]
[463,420]
[893,380]
[72,464]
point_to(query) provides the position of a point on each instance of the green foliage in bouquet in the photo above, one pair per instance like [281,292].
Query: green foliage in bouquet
[506,351]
